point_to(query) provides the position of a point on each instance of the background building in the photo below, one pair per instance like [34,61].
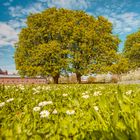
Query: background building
[6,78]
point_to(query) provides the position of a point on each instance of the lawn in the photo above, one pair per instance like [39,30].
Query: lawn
[86,111]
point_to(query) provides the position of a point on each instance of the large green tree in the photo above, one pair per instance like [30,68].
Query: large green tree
[42,46]
[132,50]
[58,40]
[93,46]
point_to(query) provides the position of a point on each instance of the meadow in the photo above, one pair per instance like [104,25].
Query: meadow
[75,112]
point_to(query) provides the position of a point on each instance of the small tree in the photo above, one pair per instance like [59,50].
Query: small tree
[132,50]
[120,66]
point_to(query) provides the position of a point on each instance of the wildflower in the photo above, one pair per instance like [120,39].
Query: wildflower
[55,111]
[10,100]
[21,87]
[70,112]
[64,95]
[128,92]
[2,104]
[46,88]
[85,96]
[44,113]
[45,103]
[36,108]
[84,93]
[97,93]
[96,108]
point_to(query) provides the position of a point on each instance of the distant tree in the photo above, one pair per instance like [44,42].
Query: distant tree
[120,66]
[58,40]
[132,50]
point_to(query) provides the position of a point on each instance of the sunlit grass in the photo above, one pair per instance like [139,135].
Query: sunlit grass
[70,112]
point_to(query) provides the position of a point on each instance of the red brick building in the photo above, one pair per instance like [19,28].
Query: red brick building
[14,79]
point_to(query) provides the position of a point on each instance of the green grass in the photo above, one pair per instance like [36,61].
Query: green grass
[98,112]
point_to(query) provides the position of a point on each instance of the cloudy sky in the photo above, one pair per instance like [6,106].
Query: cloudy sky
[124,14]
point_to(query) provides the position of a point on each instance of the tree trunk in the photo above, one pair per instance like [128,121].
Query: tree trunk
[55,78]
[78,76]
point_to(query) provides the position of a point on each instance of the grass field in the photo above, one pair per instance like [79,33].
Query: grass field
[98,112]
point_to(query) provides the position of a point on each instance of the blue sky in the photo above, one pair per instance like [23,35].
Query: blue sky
[124,14]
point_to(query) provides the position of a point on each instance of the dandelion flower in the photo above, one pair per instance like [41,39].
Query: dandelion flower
[55,111]
[44,113]
[128,92]
[96,108]
[10,100]
[2,104]
[36,108]
[44,103]
[64,95]
[97,93]
[84,93]
[85,96]
[70,112]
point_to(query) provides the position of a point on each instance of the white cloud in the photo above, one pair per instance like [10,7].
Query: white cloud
[8,35]
[9,30]
[118,13]
[126,22]
[70,4]
[17,23]
[19,11]
[6,4]
[19,14]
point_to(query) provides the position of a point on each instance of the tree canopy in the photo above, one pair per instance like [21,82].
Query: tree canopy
[58,40]
[132,49]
